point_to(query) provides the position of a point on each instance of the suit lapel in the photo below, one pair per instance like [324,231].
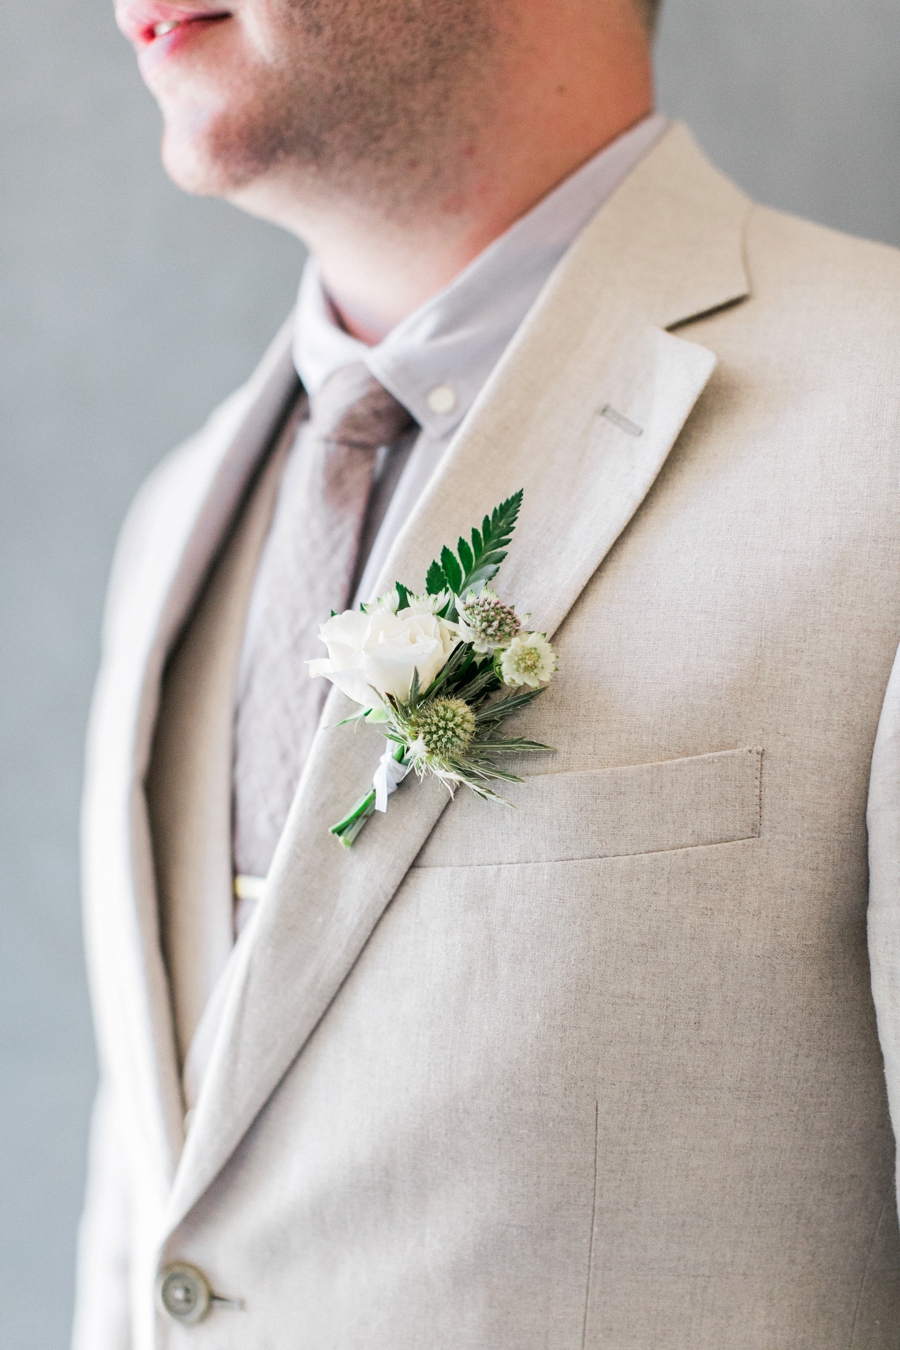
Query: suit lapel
[581,412]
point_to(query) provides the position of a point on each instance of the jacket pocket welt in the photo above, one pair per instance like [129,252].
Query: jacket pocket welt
[605,813]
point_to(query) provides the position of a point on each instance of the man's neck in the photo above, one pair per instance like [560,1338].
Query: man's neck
[563,96]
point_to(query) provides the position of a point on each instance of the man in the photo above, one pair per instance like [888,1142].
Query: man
[603,1070]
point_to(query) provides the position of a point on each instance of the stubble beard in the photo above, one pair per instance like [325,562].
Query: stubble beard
[376,100]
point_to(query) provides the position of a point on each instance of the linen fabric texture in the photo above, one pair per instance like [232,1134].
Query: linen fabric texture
[605,1071]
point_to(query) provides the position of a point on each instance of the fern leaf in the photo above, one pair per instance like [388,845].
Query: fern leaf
[476,565]
[490,546]
[451,569]
[435,581]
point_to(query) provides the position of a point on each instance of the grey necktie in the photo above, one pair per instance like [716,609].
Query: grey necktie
[306,570]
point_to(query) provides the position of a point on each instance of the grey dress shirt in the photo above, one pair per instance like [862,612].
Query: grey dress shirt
[438,359]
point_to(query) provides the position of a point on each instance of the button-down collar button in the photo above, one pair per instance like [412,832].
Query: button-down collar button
[183,1293]
[442,399]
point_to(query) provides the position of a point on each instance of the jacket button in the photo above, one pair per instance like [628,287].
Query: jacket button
[184,1293]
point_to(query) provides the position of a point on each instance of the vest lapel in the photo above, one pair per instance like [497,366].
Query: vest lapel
[130,983]
[582,413]
[189,778]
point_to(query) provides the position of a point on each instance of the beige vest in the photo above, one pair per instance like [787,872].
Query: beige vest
[189,783]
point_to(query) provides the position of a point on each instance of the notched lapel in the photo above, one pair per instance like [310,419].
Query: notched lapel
[571,520]
[585,459]
[581,413]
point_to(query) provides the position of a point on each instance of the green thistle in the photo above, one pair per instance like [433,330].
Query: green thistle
[445,726]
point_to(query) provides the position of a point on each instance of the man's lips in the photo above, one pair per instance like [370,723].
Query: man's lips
[147,23]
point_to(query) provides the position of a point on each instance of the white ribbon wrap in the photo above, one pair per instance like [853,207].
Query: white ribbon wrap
[388,775]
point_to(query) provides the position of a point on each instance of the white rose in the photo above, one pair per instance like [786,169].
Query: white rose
[380,650]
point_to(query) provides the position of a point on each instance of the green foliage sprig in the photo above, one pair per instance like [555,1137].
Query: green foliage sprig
[474,565]
[491,669]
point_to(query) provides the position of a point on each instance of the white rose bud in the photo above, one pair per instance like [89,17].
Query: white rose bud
[380,651]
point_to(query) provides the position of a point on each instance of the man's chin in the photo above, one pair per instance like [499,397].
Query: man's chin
[197,168]
[221,163]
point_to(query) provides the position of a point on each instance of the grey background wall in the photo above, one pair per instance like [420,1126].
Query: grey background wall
[127,311]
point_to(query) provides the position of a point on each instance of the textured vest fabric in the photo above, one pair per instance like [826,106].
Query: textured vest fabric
[189,792]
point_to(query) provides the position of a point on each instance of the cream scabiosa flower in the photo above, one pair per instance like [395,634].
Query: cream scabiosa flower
[529,659]
[486,622]
[373,655]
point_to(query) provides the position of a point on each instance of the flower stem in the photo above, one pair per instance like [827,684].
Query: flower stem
[349,827]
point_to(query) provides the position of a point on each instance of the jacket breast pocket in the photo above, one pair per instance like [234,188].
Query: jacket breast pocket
[605,813]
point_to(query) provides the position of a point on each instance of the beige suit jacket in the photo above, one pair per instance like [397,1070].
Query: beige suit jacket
[604,1070]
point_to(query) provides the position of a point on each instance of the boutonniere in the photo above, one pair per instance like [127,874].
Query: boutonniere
[438,673]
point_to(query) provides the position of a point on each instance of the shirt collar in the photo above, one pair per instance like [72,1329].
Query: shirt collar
[437,360]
